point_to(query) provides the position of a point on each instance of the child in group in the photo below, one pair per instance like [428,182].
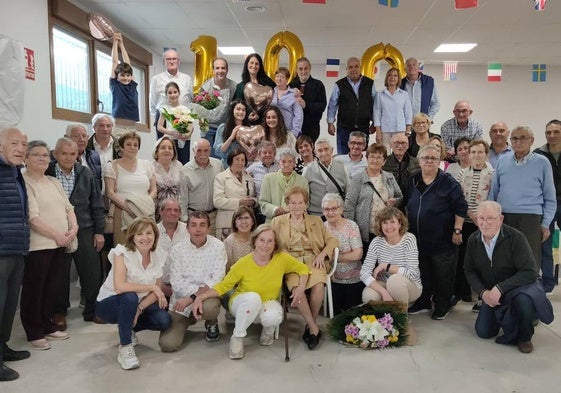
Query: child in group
[122,85]
[182,141]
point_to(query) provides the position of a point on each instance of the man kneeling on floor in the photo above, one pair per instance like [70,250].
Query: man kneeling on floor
[196,265]
[499,265]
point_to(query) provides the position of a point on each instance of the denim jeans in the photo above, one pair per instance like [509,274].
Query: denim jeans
[121,309]
[210,136]
[548,278]
[487,325]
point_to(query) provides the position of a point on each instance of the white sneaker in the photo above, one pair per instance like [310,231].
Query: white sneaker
[236,348]
[134,339]
[267,336]
[127,357]
[57,336]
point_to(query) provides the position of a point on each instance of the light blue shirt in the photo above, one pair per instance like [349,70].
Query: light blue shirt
[334,99]
[392,112]
[494,157]
[414,90]
[489,248]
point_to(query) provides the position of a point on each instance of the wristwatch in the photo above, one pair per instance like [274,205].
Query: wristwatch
[193,297]
[457,231]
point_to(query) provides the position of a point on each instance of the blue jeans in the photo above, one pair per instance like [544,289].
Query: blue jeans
[210,136]
[487,325]
[548,278]
[343,139]
[121,309]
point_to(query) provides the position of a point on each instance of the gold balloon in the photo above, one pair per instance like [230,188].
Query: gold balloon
[204,48]
[249,137]
[379,52]
[288,41]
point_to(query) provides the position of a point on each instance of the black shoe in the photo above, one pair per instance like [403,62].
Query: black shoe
[9,355]
[418,308]
[440,313]
[212,331]
[7,374]
[306,335]
[454,300]
[476,307]
[313,340]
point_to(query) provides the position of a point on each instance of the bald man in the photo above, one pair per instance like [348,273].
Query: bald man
[461,125]
[14,242]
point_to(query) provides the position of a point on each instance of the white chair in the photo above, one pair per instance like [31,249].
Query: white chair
[328,296]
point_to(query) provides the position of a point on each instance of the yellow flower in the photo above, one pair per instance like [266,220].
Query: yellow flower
[350,339]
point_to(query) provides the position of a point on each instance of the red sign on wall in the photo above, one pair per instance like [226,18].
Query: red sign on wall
[29,64]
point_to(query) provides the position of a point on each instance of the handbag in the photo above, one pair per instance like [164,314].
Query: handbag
[110,208]
[72,247]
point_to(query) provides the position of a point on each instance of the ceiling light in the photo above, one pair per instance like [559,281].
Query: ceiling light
[255,9]
[236,50]
[454,48]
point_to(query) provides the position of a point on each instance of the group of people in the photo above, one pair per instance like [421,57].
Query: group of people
[418,218]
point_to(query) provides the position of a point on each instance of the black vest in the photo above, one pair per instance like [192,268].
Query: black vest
[355,113]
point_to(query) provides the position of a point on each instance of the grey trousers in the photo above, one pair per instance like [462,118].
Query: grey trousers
[11,275]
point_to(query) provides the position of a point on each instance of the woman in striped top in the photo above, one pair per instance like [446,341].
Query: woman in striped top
[476,183]
[391,268]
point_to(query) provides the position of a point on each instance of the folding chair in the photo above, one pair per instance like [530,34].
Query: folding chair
[328,296]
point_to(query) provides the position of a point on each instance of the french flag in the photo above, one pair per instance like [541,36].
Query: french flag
[539,5]
[332,68]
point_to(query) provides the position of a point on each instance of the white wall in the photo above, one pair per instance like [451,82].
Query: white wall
[515,100]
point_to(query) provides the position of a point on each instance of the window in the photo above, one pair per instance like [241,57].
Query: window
[81,67]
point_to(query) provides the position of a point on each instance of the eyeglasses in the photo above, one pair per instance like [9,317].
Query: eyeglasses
[172,59]
[400,143]
[522,139]
[243,218]
[487,220]
[354,143]
[36,155]
[331,209]
[430,159]
[462,111]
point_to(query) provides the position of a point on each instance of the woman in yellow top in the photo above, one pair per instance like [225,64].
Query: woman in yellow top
[258,277]
[306,238]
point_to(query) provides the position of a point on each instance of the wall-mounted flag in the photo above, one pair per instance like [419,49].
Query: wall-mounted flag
[538,72]
[461,4]
[389,3]
[539,5]
[450,70]
[332,68]
[494,72]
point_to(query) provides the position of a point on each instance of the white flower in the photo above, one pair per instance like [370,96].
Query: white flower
[371,331]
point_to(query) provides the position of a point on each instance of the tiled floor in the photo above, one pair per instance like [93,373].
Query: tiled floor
[448,357]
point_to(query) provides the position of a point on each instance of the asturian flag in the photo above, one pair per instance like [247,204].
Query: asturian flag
[539,5]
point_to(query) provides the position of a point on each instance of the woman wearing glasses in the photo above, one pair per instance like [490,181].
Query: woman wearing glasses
[436,209]
[420,135]
[371,191]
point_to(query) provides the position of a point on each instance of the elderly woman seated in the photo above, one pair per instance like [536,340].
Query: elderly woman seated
[305,238]
[391,267]
[256,280]
[346,286]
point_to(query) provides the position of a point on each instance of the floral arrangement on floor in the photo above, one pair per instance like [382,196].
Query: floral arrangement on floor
[374,325]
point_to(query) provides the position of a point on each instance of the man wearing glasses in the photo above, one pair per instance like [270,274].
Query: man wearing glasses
[523,186]
[354,160]
[159,82]
[460,125]
[400,164]
[499,267]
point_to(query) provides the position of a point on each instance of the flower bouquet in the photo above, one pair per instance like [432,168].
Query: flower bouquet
[374,325]
[181,119]
[211,105]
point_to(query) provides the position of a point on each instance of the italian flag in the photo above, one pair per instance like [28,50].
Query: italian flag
[494,71]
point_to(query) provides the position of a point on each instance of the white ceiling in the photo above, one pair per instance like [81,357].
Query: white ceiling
[507,31]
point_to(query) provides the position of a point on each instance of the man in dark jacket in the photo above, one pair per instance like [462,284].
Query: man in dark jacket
[551,151]
[14,241]
[499,266]
[312,97]
[86,156]
[84,194]
[436,211]
[400,164]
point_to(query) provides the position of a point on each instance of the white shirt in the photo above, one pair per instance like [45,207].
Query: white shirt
[158,90]
[165,243]
[135,272]
[192,268]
